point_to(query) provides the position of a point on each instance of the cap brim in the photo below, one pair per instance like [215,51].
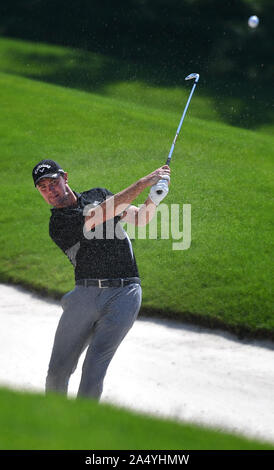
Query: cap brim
[49,175]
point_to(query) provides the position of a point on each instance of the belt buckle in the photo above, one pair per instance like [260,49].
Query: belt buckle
[100,284]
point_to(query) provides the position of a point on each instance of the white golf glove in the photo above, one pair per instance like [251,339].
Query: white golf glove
[159,191]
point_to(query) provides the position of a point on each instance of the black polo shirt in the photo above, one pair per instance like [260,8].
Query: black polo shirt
[109,256]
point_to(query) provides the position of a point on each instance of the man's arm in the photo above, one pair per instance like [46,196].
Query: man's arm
[117,204]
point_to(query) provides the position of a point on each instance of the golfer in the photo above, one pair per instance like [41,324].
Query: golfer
[106,300]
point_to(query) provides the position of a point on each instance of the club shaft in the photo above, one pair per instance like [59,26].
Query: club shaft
[180,125]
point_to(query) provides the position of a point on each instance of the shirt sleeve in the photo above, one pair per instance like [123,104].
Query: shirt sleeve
[106,193]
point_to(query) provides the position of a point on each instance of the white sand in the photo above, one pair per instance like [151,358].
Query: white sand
[161,367]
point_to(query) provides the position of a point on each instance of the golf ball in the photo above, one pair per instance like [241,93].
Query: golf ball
[253,21]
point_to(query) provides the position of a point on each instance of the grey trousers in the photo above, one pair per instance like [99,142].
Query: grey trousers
[95,318]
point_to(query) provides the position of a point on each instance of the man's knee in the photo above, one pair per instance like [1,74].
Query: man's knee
[91,389]
[57,382]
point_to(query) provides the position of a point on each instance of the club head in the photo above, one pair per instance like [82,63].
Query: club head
[192,76]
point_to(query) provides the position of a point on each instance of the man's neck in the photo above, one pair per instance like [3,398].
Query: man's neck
[69,200]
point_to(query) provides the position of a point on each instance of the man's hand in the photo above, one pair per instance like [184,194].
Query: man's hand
[161,173]
[159,189]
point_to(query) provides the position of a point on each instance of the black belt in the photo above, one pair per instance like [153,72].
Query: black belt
[103,283]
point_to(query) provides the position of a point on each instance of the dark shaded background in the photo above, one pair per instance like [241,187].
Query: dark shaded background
[167,36]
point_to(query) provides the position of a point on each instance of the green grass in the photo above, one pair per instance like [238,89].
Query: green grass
[33,421]
[103,138]
[147,85]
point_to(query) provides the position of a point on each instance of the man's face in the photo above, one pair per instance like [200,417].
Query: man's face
[54,190]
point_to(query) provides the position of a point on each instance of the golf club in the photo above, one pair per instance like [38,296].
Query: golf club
[192,76]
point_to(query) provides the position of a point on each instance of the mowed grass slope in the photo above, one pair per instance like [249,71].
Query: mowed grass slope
[225,278]
[33,421]
[147,84]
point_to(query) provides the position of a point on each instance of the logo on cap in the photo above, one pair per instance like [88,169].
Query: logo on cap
[41,168]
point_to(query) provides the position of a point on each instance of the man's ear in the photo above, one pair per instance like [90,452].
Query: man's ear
[65,176]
